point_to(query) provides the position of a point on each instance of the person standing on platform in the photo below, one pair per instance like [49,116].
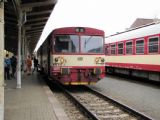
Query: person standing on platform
[7,65]
[29,64]
[13,65]
[35,64]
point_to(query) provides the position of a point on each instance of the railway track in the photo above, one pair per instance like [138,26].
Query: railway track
[96,106]
[71,110]
[99,107]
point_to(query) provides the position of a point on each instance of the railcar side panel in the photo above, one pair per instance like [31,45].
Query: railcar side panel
[135,52]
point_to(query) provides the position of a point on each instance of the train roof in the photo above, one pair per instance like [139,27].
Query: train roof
[145,30]
[72,30]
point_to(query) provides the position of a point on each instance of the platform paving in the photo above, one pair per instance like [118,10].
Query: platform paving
[34,101]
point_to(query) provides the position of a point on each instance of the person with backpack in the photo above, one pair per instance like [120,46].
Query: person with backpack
[29,64]
[13,65]
[7,65]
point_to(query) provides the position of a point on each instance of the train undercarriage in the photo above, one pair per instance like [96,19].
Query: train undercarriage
[147,75]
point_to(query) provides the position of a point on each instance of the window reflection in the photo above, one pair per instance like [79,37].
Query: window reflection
[129,47]
[67,43]
[140,46]
[120,48]
[72,43]
[107,50]
[153,45]
[113,49]
[91,44]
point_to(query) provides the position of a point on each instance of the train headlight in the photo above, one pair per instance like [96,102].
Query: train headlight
[99,60]
[62,60]
[56,59]
[102,60]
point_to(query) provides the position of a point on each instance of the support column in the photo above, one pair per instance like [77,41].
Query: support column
[23,48]
[19,51]
[2,61]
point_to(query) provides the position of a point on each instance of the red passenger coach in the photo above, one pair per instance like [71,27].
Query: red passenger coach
[135,52]
[74,55]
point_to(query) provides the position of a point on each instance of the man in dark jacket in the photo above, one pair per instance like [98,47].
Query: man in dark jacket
[7,64]
[35,64]
[13,65]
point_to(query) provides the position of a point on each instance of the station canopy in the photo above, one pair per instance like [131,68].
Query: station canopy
[35,15]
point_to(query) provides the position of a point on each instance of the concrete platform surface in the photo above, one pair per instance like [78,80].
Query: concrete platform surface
[34,101]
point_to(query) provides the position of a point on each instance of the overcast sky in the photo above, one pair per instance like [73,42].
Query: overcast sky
[109,15]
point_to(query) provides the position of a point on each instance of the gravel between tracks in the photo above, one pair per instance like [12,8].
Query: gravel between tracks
[70,109]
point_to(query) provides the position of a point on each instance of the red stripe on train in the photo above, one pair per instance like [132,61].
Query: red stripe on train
[148,67]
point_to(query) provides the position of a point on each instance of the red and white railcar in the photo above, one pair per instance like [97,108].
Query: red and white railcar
[135,52]
[74,55]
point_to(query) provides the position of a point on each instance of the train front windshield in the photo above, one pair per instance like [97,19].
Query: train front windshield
[92,44]
[79,44]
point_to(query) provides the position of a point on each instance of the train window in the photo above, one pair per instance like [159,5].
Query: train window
[107,50]
[92,44]
[66,43]
[113,49]
[120,48]
[139,46]
[153,45]
[129,47]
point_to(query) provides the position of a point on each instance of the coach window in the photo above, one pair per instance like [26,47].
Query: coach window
[120,48]
[153,45]
[129,47]
[113,49]
[140,47]
[107,50]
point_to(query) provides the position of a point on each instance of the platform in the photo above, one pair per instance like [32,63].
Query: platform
[34,101]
